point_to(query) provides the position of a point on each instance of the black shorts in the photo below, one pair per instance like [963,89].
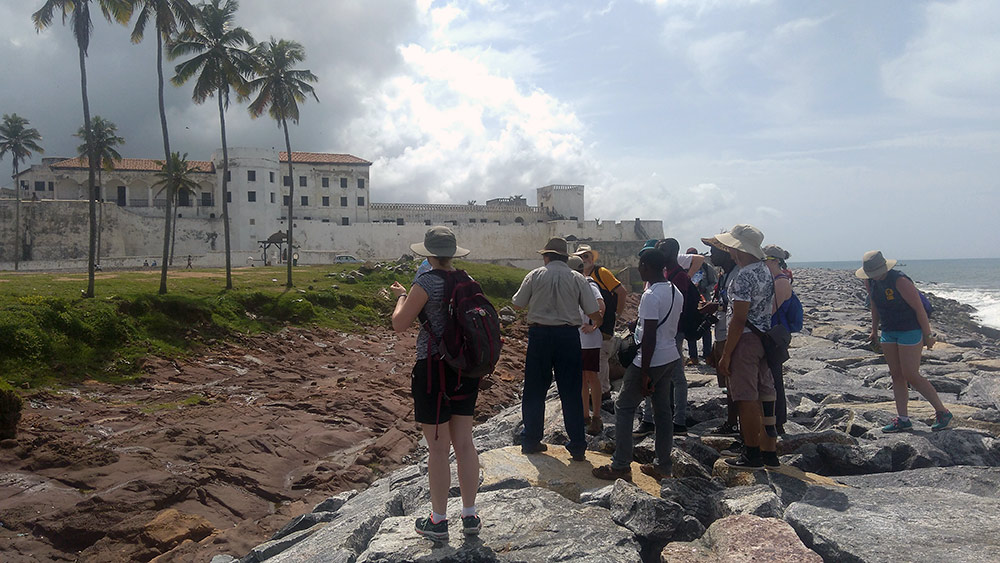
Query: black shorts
[465,391]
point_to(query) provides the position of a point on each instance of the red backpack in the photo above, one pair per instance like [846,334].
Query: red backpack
[471,340]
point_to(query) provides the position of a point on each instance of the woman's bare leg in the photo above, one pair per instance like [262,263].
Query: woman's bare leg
[900,383]
[909,361]
[438,470]
[467,458]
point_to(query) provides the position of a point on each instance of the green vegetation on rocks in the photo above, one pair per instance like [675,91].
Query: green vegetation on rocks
[49,334]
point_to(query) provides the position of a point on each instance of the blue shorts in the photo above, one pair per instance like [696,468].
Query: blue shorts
[902,337]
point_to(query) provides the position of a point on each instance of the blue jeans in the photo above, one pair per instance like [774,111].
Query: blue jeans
[553,348]
[679,385]
[628,399]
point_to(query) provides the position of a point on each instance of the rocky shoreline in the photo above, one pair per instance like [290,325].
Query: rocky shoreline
[846,491]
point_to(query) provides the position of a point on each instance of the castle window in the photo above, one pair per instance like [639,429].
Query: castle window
[361,183]
[305,200]
[326,182]
[285,200]
[482,220]
[343,202]
[207,200]
[361,202]
[272,197]
[473,220]
[270,176]
[229,175]
[251,175]
[252,196]
[302,181]
[253,221]
[518,220]
[286,180]
[229,196]
[326,201]
[400,221]
[345,221]
[343,183]
[427,221]
[39,186]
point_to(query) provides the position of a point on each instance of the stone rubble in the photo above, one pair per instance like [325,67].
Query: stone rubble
[845,492]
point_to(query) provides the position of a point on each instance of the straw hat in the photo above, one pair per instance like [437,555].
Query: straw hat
[584,249]
[556,245]
[439,242]
[746,238]
[874,265]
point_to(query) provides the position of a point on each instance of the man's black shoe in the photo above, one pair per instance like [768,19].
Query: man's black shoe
[770,460]
[680,430]
[645,429]
[533,448]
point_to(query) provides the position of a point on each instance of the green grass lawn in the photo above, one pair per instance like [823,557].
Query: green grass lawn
[49,334]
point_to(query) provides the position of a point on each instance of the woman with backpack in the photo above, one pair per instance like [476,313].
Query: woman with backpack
[898,311]
[445,418]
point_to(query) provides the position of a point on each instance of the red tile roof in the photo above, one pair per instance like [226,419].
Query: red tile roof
[322,158]
[135,165]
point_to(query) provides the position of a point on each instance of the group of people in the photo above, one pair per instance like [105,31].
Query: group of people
[572,307]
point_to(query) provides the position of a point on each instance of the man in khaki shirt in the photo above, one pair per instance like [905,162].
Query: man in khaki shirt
[554,295]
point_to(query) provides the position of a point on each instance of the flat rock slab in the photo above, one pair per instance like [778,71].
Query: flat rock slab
[736,539]
[910,523]
[518,525]
[554,470]
[986,365]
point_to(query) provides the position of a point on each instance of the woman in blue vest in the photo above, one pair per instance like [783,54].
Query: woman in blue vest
[897,309]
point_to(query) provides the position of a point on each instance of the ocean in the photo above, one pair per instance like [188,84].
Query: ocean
[975,282]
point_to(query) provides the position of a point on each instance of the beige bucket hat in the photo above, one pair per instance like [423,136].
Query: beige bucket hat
[746,238]
[874,265]
[439,242]
[585,248]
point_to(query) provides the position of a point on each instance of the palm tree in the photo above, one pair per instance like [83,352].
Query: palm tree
[166,14]
[104,135]
[19,140]
[174,177]
[78,11]
[280,89]
[221,63]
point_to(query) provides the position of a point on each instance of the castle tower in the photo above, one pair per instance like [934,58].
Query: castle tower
[255,202]
[562,201]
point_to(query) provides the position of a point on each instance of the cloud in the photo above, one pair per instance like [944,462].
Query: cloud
[950,68]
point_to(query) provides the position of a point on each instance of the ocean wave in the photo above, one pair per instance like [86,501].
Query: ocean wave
[986,302]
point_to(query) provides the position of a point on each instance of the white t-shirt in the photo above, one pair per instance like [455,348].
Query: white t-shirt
[684,260]
[594,339]
[655,304]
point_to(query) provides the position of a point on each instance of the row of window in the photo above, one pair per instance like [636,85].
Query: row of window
[303,200]
[287,180]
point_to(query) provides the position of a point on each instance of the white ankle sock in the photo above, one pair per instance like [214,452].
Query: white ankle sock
[437,518]
[904,419]
[470,511]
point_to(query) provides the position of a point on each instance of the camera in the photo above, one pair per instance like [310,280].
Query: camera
[706,323]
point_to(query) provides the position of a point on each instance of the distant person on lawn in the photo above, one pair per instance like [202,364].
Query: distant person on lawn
[897,309]
[445,423]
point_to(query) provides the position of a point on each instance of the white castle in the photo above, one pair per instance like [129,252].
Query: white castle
[333,215]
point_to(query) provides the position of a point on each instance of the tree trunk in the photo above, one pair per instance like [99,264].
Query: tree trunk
[173,233]
[100,212]
[291,201]
[169,162]
[17,217]
[91,167]
[225,191]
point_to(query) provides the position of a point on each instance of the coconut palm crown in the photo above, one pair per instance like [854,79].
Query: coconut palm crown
[19,141]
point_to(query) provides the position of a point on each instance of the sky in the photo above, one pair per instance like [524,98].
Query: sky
[834,127]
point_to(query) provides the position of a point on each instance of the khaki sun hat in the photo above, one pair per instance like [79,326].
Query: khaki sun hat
[575,263]
[874,265]
[439,242]
[556,245]
[746,238]
[714,243]
[775,251]
[585,248]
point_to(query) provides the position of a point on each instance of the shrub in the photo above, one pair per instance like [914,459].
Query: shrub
[10,412]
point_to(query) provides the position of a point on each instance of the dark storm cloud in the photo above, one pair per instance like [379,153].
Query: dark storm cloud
[350,46]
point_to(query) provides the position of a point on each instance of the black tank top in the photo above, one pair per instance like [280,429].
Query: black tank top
[894,312]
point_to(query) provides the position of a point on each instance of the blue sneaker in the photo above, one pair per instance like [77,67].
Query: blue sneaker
[941,420]
[897,425]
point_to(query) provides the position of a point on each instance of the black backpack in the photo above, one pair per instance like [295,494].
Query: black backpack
[610,303]
[471,339]
[690,323]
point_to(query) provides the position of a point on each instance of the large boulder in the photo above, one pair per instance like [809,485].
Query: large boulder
[741,538]
[915,523]
[518,525]
[654,521]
